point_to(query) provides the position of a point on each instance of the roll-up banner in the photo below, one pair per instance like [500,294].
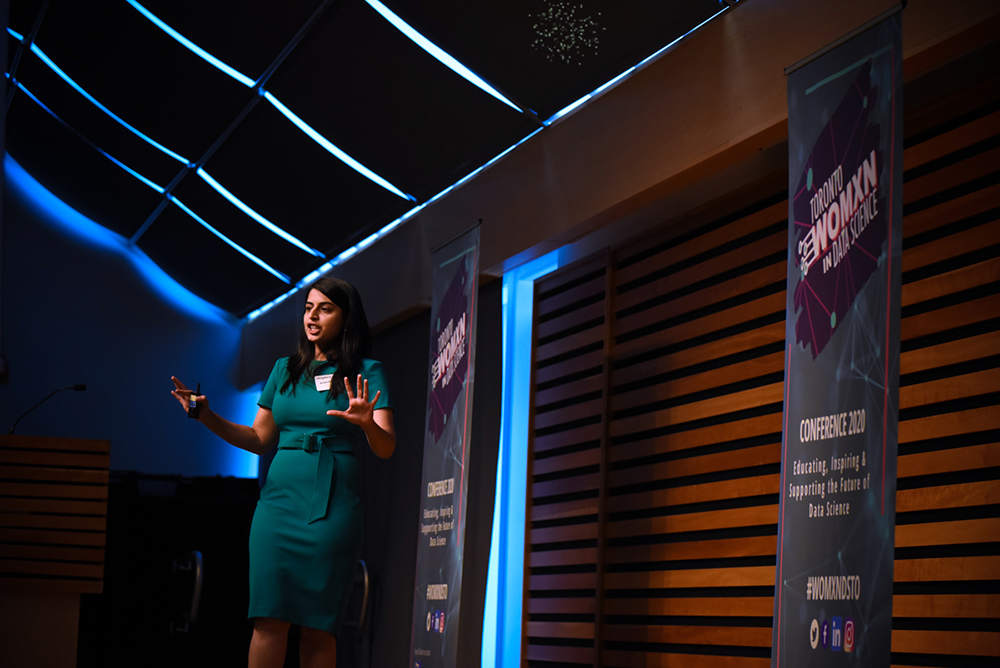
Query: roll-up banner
[438,588]
[836,526]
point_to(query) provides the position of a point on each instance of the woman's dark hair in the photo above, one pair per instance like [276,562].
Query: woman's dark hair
[348,349]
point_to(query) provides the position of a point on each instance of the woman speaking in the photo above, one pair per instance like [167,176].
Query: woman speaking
[318,406]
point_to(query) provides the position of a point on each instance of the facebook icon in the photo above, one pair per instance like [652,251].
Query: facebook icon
[825,635]
[836,633]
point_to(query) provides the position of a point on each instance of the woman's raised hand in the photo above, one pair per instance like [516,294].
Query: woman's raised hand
[360,411]
[183,395]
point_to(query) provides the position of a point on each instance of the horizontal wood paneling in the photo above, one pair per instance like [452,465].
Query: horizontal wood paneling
[704,521]
[558,653]
[53,513]
[948,457]
[694,635]
[699,354]
[763,426]
[944,606]
[565,458]
[757,606]
[948,533]
[722,548]
[750,576]
[669,660]
[960,643]
[42,585]
[679,468]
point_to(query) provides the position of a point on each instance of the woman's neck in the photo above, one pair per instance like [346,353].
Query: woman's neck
[320,356]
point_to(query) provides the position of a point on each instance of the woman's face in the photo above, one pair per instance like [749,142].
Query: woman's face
[323,320]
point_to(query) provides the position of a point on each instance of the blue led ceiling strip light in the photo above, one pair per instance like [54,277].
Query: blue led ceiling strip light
[329,146]
[97,148]
[200,52]
[19,53]
[367,241]
[238,203]
[442,56]
[160,189]
[65,77]
[247,254]
[334,150]
[204,175]
[645,61]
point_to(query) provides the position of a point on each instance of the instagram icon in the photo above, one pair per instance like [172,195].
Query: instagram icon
[849,635]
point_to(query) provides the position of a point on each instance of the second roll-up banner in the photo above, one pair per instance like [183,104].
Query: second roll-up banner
[438,586]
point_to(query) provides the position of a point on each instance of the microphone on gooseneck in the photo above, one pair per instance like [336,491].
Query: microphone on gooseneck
[80,387]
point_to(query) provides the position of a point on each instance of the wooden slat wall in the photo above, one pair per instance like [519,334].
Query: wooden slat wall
[695,444]
[946,608]
[565,462]
[53,513]
[680,378]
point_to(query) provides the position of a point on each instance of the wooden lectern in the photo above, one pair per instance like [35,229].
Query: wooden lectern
[53,519]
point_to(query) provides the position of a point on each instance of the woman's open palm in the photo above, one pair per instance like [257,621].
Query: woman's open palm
[359,411]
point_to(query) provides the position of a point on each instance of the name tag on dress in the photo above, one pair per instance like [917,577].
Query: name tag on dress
[323,382]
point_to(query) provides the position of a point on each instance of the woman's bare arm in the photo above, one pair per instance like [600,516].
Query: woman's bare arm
[381,433]
[258,438]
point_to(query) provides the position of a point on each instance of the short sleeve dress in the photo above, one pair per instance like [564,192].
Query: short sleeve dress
[305,540]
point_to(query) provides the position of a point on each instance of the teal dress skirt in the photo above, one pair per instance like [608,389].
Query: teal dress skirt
[305,540]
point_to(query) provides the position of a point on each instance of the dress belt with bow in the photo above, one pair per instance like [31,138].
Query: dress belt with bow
[325,450]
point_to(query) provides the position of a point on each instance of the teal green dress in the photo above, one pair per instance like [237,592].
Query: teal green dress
[305,540]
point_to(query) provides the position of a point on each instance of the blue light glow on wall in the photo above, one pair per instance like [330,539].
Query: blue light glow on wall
[505,577]
[440,54]
[243,464]
[77,225]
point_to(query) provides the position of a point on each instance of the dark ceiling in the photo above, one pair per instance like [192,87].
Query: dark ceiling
[176,132]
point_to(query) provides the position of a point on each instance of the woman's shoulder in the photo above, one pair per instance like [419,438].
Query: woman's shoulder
[367,364]
[280,367]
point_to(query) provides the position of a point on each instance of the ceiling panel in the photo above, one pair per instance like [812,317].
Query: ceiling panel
[289,179]
[241,228]
[374,93]
[74,171]
[12,46]
[206,265]
[245,34]
[142,74]
[92,123]
[549,53]
[22,14]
